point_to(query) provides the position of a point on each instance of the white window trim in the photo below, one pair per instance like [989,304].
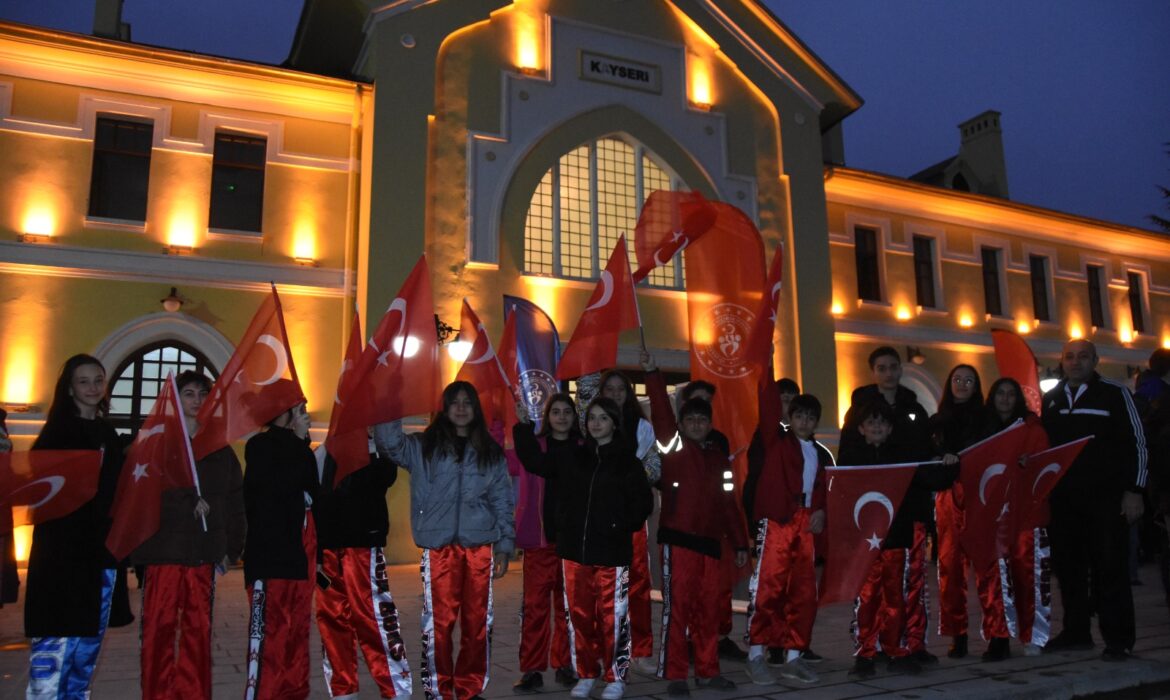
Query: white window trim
[884,242]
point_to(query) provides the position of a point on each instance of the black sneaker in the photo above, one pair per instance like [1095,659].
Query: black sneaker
[776,657]
[1066,641]
[904,664]
[566,677]
[863,668]
[715,683]
[530,682]
[678,689]
[811,657]
[924,658]
[1111,654]
[958,648]
[729,650]
[998,649]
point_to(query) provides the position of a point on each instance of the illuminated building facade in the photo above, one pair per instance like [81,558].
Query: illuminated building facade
[513,142]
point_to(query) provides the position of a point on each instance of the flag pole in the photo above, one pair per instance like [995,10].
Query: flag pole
[187,442]
[637,306]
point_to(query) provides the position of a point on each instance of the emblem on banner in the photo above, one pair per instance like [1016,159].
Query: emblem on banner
[536,387]
[725,355]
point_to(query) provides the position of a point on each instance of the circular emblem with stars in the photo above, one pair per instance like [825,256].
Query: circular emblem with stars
[725,355]
[536,386]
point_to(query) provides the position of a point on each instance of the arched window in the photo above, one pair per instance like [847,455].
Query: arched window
[583,204]
[139,378]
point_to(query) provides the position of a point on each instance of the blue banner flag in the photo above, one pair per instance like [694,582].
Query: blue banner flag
[538,349]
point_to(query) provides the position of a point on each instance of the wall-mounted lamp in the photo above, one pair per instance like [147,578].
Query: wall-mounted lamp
[914,354]
[20,407]
[306,262]
[172,302]
[443,330]
[179,249]
[28,237]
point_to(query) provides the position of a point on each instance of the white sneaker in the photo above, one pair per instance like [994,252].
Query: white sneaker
[758,673]
[614,691]
[1033,650]
[645,665]
[583,688]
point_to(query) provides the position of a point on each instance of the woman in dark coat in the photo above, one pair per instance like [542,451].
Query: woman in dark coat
[70,571]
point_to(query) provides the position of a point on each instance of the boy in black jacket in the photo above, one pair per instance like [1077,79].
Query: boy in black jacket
[891,606]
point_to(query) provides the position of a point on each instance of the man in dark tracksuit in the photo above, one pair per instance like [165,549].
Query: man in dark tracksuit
[1095,502]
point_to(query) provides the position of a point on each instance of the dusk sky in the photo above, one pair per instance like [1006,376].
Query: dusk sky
[1083,85]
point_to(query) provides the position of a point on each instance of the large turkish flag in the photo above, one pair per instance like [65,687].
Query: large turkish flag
[611,310]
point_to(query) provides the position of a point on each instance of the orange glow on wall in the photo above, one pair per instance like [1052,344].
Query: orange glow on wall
[966,321]
[1125,335]
[699,81]
[304,242]
[527,39]
[903,313]
[1023,327]
[19,370]
[22,540]
[181,231]
[1166,341]
[1075,332]
[837,309]
[39,220]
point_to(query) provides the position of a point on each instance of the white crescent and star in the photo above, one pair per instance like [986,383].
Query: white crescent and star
[140,472]
[489,352]
[55,483]
[278,353]
[989,473]
[1053,468]
[872,497]
[606,291]
[398,340]
[146,433]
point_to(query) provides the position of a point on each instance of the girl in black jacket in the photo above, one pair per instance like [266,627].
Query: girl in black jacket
[70,571]
[603,498]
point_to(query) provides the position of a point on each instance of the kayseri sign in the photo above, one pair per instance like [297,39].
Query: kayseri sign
[621,72]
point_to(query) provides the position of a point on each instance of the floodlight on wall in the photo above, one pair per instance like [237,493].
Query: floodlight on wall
[172,302]
[914,355]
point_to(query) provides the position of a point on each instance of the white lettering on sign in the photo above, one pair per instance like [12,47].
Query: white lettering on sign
[621,72]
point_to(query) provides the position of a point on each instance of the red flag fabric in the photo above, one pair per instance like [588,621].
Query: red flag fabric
[857,527]
[250,391]
[668,223]
[505,402]
[1014,359]
[52,483]
[1042,472]
[351,446]
[986,472]
[611,310]
[159,459]
[399,369]
[483,368]
[725,285]
[759,352]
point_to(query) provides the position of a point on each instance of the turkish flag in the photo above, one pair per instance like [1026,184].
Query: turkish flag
[1042,472]
[52,483]
[611,310]
[986,472]
[668,223]
[760,339]
[350,447]
[483,368]
[159,459]
[725,290]
[258,383]
[399,369]
[862,502]
[1014,359]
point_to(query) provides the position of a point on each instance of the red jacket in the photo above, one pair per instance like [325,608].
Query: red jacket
[695,514]
[774,488]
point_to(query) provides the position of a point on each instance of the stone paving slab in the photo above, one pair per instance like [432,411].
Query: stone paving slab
[1049,676]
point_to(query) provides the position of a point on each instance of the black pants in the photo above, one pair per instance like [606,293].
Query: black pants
[1090,548]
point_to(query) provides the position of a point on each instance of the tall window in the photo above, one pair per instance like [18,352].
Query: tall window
[992,296]
[1137,306]
[1039,266]
[1094,275]
[924,271]
[865,252]
[237,182]
[583,204]
[140,377]
[121,168]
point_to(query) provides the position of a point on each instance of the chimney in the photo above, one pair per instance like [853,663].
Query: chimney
[981,151]
[107,20]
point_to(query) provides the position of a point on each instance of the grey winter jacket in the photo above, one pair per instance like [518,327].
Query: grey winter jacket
[452,501]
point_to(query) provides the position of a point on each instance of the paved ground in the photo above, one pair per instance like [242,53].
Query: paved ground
[1049,676]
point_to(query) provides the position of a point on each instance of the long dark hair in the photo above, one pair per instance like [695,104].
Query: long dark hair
[631,409]
[574,429]
[614,412]
[63,407]
[1019,410]
[440,435]
[947,404]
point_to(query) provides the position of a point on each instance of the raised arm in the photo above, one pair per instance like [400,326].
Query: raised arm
[661,412]
[404,449]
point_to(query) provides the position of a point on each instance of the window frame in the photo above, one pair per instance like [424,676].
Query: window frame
[1138,299]
[1041,286]
[1097,281]
[100,190]
[997,255]
[931,282]
[130,422]
[871,261]
[220,169]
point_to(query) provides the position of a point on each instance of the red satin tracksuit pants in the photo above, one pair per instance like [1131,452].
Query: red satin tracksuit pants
[457,588]
[641,625]
[177,600]
[357,610]
[597,598]
[542,644]
[953,566]
[783,589]
[1028,605]
[728,576]
[690,614]
[891,610]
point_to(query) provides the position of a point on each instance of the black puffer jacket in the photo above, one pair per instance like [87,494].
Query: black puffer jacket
[603,495]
